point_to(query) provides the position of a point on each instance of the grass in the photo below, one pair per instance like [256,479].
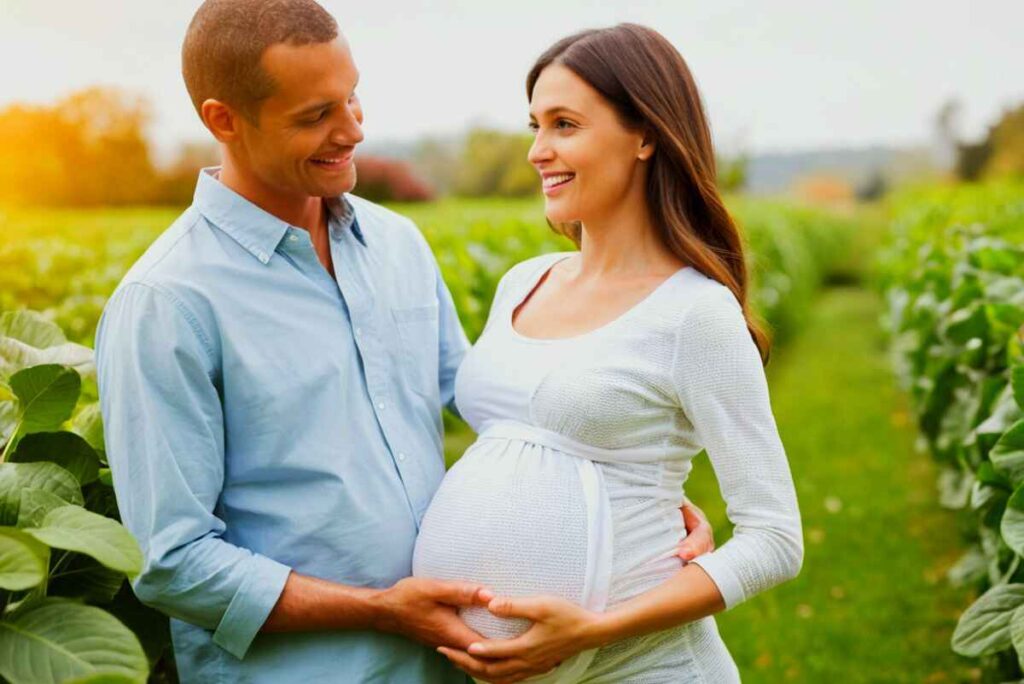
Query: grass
[871,603]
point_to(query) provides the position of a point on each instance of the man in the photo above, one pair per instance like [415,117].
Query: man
[272,372]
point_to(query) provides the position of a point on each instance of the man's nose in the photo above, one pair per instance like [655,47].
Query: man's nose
[348,132]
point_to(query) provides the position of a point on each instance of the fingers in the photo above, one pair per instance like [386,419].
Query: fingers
[530,607]
[463,594]
[456,633]
[499,648]
[511,670]
[692,516]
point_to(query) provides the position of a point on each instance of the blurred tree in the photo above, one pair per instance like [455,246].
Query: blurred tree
[732,172]
[388,180]
[436,160]
[494,163]
[89,148]
[1007,141]
[999,153]
[178,181]
[873,188]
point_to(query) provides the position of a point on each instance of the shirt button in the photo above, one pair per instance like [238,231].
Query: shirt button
[380,405]
[401,457]
[293,238]
[359,331]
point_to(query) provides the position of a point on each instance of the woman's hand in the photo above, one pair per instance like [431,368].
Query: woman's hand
[700,538]
[560,629]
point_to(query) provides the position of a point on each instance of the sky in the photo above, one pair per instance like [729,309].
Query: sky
[775,75]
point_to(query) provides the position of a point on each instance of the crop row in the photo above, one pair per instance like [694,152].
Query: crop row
[953,275]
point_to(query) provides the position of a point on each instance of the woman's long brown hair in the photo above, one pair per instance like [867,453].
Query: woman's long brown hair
[647,81]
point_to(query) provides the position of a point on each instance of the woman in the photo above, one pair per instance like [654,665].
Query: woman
[599,376]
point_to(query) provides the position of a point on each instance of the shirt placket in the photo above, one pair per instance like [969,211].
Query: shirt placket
[353,280]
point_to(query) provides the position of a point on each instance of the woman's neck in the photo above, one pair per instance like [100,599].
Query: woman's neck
[624,243]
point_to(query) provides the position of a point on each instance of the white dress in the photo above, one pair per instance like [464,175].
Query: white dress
[574,483]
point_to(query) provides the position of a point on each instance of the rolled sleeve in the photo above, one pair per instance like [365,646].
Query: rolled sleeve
[163,425]
[263,582]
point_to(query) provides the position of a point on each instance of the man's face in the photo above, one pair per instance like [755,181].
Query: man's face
[309,128]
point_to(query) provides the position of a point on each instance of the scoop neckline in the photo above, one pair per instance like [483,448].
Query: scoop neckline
[589,333]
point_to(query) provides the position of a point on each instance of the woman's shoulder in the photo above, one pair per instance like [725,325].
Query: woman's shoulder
[694,294]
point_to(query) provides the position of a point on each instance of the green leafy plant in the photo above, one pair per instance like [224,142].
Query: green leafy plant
[954,282]
[64,555]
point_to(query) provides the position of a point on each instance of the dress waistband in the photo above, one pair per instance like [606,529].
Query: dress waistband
[513,429]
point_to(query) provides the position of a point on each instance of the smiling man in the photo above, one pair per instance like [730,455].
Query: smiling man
[272,372]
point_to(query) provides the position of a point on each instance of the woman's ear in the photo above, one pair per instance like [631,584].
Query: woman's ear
[647,146]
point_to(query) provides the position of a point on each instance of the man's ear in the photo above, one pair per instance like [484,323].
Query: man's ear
[221,120]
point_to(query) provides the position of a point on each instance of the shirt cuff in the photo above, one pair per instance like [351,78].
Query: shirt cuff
[255,598]
[717,568]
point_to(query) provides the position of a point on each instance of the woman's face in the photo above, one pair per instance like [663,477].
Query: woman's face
[589,162]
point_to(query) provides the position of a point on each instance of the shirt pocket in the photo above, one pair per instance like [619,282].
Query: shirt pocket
[418,347]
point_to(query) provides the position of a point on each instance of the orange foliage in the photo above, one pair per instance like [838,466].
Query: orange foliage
[87,149]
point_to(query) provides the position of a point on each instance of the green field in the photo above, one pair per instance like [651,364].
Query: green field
[871,604]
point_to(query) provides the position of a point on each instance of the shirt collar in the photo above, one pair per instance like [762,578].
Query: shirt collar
[255,229]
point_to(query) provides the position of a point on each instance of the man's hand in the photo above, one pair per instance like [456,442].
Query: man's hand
[700,538]
[426,610]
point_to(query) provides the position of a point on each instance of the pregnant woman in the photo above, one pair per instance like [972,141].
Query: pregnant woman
[598,378]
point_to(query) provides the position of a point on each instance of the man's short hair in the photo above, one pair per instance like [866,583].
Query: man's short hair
[220,58]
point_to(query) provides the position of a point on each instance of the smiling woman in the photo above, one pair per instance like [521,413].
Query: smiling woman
[598,378]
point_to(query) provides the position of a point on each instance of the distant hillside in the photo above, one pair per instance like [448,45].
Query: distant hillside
[778,171]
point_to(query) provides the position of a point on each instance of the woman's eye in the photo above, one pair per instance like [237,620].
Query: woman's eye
[563,124]
[533,126]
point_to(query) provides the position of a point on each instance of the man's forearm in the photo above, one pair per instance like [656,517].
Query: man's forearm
[311,604]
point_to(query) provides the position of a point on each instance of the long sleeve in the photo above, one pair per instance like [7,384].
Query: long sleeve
[163,425]
[722,388]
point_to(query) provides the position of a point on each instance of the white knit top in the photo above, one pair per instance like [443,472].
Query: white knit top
[584,444]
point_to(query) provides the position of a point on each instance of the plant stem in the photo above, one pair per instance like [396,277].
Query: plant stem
[10,442]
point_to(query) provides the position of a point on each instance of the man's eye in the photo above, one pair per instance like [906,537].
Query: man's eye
[564,124]
[533,126]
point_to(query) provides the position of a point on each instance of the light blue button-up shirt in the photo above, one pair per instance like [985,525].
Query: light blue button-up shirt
[262,416]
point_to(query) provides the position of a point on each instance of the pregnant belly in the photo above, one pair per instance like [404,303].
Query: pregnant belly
[513,516]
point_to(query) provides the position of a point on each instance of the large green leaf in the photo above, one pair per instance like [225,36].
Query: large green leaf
[1012,524]
[51,641]
[23,560]
[89,424]
[31,328]
[984,627]
[47,396]
[1010,447]
[66,449]
[8,420]
[16,355]
[18,477]
[86,579]
[1017,380]
[104,678]
[35,504]
[1017,633]
[75,529]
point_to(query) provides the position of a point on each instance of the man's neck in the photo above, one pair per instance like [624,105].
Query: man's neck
[302,211]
